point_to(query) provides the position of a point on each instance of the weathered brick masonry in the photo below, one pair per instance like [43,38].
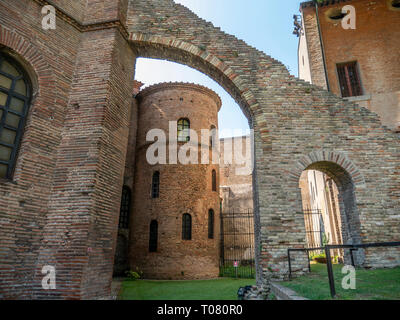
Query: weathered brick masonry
[62,206]
[183,189]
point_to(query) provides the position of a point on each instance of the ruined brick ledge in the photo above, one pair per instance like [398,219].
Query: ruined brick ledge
[283,293]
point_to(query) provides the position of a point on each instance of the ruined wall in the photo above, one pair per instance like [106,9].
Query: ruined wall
[293,121]
[236,184]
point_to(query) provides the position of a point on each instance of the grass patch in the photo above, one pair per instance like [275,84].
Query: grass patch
[219,289]
[379,284]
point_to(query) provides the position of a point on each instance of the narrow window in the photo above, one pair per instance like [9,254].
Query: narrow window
[211,224]
[15,94]
[153,239]
[183,130]
[155,185]
[213,136]
[125,208]
[187,227]
[349,80]
[214,180]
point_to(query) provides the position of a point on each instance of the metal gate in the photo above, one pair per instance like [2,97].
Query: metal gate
[237,245]
[314,227]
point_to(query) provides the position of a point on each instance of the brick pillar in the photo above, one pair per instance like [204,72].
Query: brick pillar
[314,47]
[80,232]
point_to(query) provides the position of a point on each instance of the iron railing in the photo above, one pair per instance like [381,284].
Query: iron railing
[237,245]
[328,248]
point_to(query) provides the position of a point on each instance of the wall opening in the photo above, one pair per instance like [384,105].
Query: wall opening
[330,211]
[231,183]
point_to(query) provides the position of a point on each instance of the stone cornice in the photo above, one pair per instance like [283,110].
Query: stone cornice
[182,86]
[85,27]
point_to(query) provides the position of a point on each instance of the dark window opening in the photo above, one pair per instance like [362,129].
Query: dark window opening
[396,3]
[153,239]
[186,227]
[214,180]
[155,185]
[15,94]
[349,80]
[213,137]
[337,14]
[211,224]
[183,130]
[125,208]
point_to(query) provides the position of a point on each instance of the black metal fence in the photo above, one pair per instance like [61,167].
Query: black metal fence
[237,245]
[328,248]
[314,231]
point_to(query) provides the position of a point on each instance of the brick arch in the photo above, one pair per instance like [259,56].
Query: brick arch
[342,167]
[43,76]
[175,50]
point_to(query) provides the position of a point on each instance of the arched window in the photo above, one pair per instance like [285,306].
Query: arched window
[153,239]
[183,130]
[214,180]
[187,227]
[15,96]
[155,185]
[125,208]
[211,224]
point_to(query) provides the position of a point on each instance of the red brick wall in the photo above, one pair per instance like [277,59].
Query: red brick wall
[72,153]
[374,44]
[236,179]
[24,202]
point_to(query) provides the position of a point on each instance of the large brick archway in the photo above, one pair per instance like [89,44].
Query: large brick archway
[291,119]
[179,51]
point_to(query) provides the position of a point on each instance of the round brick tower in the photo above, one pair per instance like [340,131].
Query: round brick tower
[175,224]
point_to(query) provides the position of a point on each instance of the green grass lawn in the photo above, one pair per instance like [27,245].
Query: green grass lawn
[219,289]
[380,284]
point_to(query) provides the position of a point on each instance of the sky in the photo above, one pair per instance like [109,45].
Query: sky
[264,24]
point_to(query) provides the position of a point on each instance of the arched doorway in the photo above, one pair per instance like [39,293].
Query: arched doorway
[192,56]
[330,211]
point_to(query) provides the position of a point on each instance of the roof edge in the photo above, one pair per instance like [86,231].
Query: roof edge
[181,85]
[324,3]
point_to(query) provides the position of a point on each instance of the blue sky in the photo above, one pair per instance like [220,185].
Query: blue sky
[264,24]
